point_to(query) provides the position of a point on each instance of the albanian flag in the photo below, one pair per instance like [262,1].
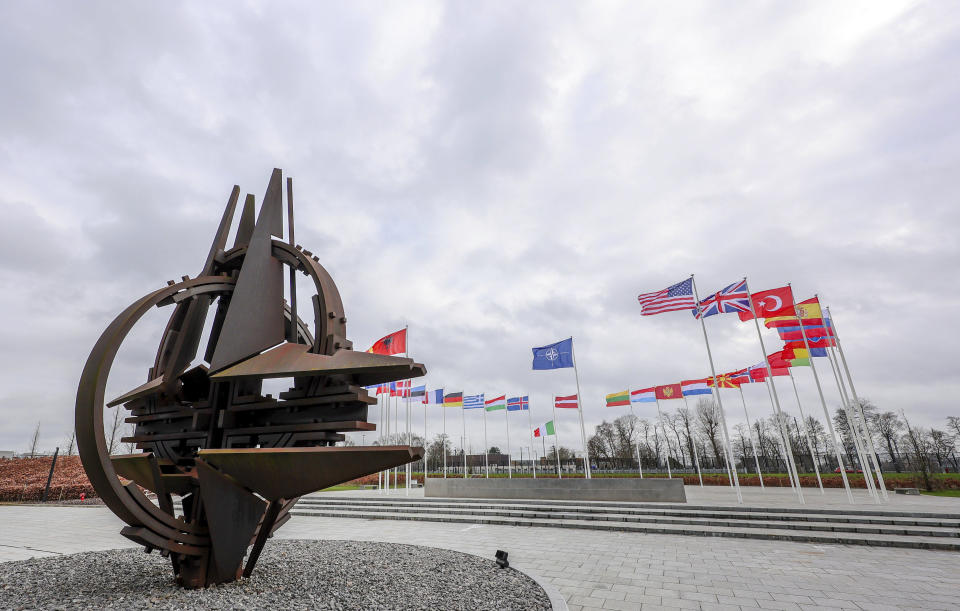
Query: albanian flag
[394,343]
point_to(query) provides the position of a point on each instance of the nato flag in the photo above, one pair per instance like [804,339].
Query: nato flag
[554,356]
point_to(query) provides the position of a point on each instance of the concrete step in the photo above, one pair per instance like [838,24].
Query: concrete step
[781,533]
[736,521]
[837,516]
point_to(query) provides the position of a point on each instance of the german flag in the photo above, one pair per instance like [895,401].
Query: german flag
[454,399]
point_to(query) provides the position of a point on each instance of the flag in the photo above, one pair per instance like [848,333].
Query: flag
[394,343]
[566,402]
[618,398]
[495,403]
[383,389]
[758,373]
[644,395]
[435,397]
[544,429]
[722,381]
[400,389]
[741,376]
[517,404]
[803,353]
[818,331]
[669,391]
[554,356]
[733,298]
[815,342]
[773,302]
[695,387]
[454,399]
[419,391]
[676,297]
[808,311]
[473,401]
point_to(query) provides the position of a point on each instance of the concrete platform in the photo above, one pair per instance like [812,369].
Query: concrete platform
[572,489]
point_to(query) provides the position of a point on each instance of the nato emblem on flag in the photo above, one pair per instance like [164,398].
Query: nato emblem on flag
[554,356]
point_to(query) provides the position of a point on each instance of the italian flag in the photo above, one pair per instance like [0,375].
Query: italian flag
[543,430]
[618,398]
[496,403]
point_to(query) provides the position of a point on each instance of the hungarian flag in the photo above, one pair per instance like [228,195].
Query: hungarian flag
[669,391]
[395,343]
[773,302]
[544,429]
[566,402]
[618,398]
[644,395]
[495,403]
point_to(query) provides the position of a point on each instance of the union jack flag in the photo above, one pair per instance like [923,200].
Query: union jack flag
[733,298]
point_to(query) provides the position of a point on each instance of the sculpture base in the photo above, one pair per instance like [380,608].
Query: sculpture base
[634,490]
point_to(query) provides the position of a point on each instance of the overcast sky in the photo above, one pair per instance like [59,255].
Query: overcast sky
[497,176]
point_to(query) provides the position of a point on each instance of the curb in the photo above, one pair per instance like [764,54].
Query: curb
[557,601]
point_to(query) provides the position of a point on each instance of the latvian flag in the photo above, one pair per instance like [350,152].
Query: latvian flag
[566,402]
[644,395]
[544,430]
[695,387]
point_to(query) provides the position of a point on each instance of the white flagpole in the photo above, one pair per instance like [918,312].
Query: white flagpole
[639,466]
[666,438]
[443,412]
[693,446]
[753,443]
[723,416]
[556,436]
[851,419]
[859,406]
[463,440]
[486,448]
[409,472]
[506,418]
[583,433]
[806,433]
[380,438]
[826,412]
[426,442]
[530,425]
[775,401]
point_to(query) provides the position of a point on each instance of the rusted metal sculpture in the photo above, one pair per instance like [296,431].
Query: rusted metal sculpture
[238,460]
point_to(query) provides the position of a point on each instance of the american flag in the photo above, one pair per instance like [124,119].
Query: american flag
[733,298]
[673,298]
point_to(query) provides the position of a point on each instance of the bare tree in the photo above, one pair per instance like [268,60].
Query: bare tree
[919,443]
[675,424]
[34,441]
[114,429]
[942,445]
[708,417]
[686,418]
[889,425]
[73,439]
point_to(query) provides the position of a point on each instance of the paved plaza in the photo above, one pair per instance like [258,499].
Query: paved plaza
[604,570]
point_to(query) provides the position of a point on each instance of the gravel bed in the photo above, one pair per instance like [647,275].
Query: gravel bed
[289,575]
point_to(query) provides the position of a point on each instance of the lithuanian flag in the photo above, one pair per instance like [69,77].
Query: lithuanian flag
[618,398]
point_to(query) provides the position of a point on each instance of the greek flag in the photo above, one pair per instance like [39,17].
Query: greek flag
[473,401]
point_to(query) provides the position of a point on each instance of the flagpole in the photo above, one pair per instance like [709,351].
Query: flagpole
[426,442]
[835,368]
[486,448]
[753,443]
[826,412]
[634,418]
[775,401]
[806,432]
[859,406]
[530,425]
[379,438]
[506,418]
[463,440]
[583,433]
[724,440]
[723,417]
[443,411]
[556,435]
[666,438]
[693,446]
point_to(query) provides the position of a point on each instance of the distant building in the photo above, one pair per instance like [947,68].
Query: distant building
[7,453]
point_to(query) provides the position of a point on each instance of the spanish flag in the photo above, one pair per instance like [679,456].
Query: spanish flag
[808,311]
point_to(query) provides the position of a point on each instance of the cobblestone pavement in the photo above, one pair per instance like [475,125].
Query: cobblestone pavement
[594,570]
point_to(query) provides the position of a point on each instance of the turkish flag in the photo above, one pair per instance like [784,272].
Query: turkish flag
[669,391]
[774,302]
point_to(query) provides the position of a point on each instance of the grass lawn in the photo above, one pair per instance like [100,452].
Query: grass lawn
[955,493]
[343,487]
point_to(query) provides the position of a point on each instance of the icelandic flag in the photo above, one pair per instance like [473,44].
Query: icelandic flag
[644,395]
[434,396]
[554,356]
[473,401]
[516,404]
[695,387]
